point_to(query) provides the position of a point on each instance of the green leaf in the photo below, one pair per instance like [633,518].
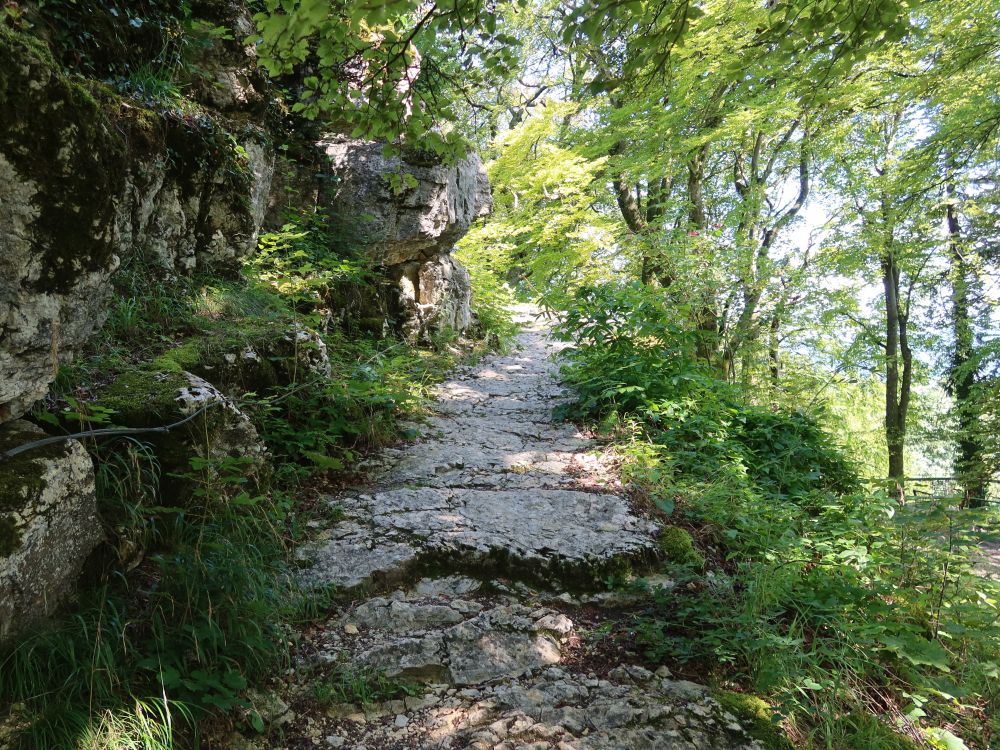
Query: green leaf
[918,651]
[323,461]
[666,504]
[257,722]
[945,740]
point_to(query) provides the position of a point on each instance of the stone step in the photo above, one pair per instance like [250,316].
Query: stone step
[568,537]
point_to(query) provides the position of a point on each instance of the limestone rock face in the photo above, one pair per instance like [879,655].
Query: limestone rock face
[420,223]
[230,80]
[435,295]
[48,525]
[412,233]
[206,220]
[86,185]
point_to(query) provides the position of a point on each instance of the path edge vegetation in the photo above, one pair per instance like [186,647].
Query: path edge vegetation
[839,607]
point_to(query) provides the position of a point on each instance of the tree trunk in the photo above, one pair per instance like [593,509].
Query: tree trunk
[898,368]
[706,318]
[773,352]
[962,376]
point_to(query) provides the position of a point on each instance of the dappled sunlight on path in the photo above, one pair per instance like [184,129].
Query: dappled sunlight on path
[492,497]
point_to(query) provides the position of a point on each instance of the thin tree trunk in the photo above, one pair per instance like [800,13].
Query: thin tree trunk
[706,318]
[773,352]
[898,369]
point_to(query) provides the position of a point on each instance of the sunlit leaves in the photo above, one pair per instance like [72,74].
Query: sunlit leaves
[544,219]
[385,69]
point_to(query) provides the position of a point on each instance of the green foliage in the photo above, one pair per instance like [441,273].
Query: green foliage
[543,231]
[630,349]
[492,298]
[833,601]
[384,69]
[308,263]
[319,423]
[757,715]
[198,619]
[633,355]
[786,35]
[362,686]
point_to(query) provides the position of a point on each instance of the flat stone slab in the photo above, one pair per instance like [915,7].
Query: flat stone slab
[352,556]
[564,536]
[551,531]
[444,637]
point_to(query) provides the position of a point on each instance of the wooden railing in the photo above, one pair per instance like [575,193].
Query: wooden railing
[931,489]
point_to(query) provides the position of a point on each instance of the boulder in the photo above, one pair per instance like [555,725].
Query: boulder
[48,524]
[221,432]
[419,223]
[434,296]
[256,358]
[411,233]
[89,181]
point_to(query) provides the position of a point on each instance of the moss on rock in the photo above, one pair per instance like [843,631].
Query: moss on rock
[187,356]
[58,135]
[251,356]
[756,717]
[10,539]
[144,398]
[678,548]
[21,480]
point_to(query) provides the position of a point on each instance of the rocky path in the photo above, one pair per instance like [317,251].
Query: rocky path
[462,535]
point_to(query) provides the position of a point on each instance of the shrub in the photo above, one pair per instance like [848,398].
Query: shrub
[836,605]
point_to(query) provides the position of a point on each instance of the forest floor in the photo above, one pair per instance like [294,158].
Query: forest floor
[490,539]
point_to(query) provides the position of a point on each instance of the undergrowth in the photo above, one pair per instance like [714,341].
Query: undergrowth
[361,686]
[861,622]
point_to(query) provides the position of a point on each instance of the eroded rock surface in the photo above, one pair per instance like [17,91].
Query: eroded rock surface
[48,524]
[487,670]
[434,295]
[421,222]
[411,233]
[494,486]
[445,637]
[218,430]
[87,185]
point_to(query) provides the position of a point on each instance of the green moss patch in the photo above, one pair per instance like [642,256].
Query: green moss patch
[144,398]
[187,356]
[57,134]
[678,548]
[10,540]
[756,717]
[21,478]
